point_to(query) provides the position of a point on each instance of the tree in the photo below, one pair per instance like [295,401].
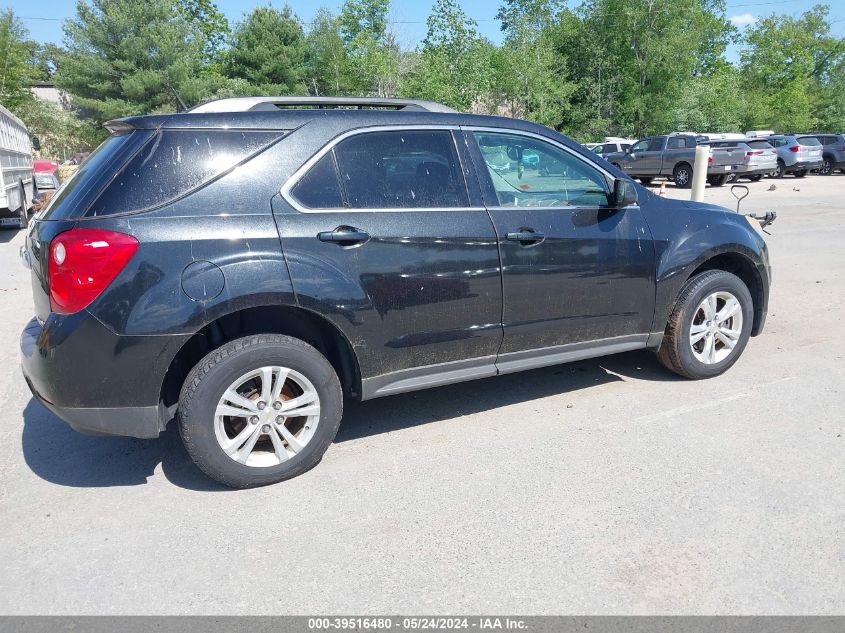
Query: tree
[644,55]
[453,66]
[328,65]
[268,50]
[373,52]
[793,67]
[530,74]
[127,57]
[212,23]
[14,55]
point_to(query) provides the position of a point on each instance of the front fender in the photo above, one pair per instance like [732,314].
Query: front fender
[687,235]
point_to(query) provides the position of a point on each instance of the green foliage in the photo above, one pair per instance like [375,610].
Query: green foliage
[794,66]
[268,50]
[454,65]
[374,54]
[605,67]
[14,56]
[209,19]
[328,67]
[127,57]
[530,77]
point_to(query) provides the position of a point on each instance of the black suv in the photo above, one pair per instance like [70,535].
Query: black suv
[244,266]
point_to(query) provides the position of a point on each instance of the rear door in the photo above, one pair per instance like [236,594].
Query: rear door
[574,271]
[383,237]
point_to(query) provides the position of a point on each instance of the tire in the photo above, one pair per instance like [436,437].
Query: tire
[219,371]
[676,350]
[23,216]
[827,166]
[646,181]
[780,171]
[800,174]
[717,181]
[682,176]
[755,178]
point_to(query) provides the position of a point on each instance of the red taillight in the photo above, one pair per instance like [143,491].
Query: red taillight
[709,160]
[754,152]
[82,263]
[795,148]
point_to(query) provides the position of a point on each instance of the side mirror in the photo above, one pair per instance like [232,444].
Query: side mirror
[624,193]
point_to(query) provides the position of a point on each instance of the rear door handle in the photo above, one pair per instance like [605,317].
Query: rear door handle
[525,236]
[344,235]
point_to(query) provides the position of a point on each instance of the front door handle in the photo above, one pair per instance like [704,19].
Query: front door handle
[525,236]
[344,235]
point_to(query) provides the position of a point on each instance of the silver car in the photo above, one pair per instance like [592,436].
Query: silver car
[833,152]
[797,155]
[760,157]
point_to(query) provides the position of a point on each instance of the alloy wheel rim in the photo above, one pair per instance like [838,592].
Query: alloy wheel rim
[267,416]
[683,177]
[825,167]
[716,327]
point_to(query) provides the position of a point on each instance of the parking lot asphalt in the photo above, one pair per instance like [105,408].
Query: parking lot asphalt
[606,486]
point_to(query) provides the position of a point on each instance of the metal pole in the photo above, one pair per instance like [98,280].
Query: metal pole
[699,172]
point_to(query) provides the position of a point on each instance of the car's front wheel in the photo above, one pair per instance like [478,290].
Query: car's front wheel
[709,326]
[259,410]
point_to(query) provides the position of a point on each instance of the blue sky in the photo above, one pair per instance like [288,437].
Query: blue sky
[44,18]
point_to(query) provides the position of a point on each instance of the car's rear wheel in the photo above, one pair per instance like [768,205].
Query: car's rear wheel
[717,181]
[827,166]
[755,177]
[646,181]
[800,174]
[709,326]
[779,170]
[682,175]
[259,410]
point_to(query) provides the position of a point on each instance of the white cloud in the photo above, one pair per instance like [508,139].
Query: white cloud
[743,19]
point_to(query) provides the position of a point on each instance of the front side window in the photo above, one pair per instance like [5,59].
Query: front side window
[640,146]
[656,144]
[556,179]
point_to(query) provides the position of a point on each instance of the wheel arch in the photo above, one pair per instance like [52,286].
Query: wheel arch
[290,320]
[736,262]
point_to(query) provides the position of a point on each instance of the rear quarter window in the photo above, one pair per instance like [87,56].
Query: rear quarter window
[174,163]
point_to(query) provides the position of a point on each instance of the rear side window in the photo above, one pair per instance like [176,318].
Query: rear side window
[71,199]
[175,162]
[413,169]
[408,169]
[809,141]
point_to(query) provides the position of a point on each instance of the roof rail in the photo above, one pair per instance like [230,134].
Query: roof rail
[247,104]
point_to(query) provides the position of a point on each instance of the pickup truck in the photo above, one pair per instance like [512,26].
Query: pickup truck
[673,156]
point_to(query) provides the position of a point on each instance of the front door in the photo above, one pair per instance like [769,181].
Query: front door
[575,272]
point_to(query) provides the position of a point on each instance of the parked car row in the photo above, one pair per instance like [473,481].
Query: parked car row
[753,155]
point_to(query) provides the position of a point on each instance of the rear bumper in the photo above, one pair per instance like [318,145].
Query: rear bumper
[804,164]
[94,380]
